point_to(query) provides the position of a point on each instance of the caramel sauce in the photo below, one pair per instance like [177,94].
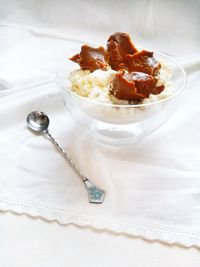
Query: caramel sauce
[142,61]
[136,70]
[134,85]
[91,58]
[119,45]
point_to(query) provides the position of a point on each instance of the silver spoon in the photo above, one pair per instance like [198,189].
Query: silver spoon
[38,122]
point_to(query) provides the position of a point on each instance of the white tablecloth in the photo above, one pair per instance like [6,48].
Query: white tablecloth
[31,242]
[172,27]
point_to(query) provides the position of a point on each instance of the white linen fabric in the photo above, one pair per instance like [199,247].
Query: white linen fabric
[34,242]
[153,188]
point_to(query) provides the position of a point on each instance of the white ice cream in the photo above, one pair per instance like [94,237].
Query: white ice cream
[95,85]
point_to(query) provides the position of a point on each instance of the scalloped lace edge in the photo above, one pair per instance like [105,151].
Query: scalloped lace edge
[125,226]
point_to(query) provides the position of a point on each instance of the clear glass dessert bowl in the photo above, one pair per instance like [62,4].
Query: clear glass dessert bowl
[113,124]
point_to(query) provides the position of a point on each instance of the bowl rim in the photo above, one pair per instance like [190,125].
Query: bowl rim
[91,101]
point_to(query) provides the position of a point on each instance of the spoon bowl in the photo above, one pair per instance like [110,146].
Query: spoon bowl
[38,121]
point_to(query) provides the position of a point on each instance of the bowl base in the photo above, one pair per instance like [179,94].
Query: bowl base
[116,135]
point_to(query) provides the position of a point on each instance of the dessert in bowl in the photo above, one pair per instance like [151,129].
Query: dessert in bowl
[120,93]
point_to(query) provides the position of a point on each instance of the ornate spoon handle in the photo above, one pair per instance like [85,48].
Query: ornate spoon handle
[95,194]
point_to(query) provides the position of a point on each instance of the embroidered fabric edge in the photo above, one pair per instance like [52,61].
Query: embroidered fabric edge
[124,226]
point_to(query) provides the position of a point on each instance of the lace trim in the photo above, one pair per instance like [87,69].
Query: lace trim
[127,226]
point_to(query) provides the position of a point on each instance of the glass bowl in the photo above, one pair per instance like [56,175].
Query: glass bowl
[117,125]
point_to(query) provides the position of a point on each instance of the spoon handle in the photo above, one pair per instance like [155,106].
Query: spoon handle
[67,157]
[95,194]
